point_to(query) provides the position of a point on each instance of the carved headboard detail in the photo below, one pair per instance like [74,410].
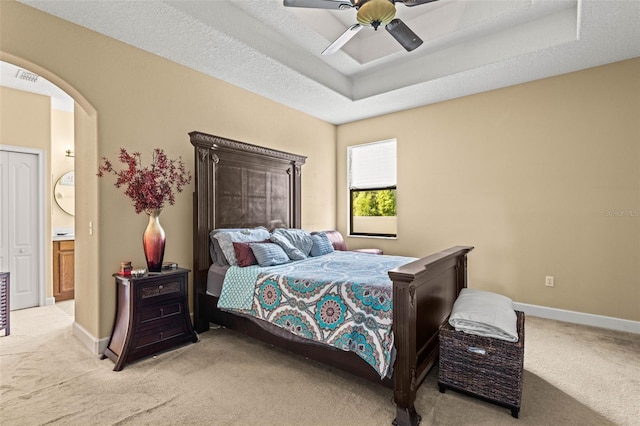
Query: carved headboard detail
[240,185]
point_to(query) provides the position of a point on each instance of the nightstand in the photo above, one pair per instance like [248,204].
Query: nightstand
[152,315]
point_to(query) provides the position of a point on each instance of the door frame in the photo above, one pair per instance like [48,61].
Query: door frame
[40,153]
[91,321]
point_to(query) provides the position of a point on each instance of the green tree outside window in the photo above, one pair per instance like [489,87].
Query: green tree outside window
[374,203]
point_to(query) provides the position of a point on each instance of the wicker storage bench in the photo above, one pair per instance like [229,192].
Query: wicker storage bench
[485,367]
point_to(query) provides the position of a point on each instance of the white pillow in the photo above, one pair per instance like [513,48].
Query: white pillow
[226,240]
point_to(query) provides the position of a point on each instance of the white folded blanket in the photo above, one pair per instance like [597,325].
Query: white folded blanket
[485,314]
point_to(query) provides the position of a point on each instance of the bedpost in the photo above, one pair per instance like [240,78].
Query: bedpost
[296,190]
[423,294]
[405,386]
[203,219]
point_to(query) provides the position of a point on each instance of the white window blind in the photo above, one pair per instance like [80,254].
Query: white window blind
[372,165]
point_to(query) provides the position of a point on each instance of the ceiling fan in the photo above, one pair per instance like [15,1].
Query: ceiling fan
[371,13]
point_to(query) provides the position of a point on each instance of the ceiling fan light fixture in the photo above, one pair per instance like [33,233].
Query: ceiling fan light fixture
[371,13]
[403,35]
[376,12]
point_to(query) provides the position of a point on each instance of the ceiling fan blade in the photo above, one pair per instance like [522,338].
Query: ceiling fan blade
[411,3]
[343,39]
[319,4]
[403,34]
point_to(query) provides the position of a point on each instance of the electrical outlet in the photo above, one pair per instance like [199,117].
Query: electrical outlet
[548,281]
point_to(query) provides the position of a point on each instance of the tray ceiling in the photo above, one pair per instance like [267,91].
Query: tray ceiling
[470,46]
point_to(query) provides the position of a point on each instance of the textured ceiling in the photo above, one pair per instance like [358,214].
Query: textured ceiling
[470,46]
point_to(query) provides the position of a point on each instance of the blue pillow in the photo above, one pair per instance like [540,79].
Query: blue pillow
[321,244]
[293,252]
[269,254]
[298,238]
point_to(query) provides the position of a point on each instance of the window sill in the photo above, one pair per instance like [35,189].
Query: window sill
[375,237]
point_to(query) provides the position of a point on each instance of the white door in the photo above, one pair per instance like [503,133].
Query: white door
[19,231]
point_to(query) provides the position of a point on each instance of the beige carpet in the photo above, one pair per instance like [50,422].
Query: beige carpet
[575,375]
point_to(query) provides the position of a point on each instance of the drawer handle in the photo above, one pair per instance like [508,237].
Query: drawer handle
[161,312]
[161,335]
[160,287]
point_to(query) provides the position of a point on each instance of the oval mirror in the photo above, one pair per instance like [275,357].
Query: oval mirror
[65,193]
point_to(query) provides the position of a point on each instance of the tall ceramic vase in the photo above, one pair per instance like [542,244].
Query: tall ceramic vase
[153,241]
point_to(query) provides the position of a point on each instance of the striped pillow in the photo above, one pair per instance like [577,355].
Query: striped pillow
[269,254]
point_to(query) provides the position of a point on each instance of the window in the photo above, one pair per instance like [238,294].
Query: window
[372,189]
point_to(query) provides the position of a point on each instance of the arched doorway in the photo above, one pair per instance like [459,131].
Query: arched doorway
[86,269]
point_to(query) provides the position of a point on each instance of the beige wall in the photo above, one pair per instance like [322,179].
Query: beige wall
[542,178]
[25,121]
[142,102]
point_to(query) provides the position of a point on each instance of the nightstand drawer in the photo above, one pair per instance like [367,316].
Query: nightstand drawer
[159,312]
[156,292]
[157,336]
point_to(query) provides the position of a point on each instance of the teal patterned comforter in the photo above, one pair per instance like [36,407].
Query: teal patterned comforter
[342,299]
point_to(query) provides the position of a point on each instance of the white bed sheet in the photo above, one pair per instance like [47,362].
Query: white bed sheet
[215,278]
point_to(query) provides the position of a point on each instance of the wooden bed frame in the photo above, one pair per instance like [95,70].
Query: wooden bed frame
[240,185]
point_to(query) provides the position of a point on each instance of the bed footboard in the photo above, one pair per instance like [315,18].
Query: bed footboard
[423,295]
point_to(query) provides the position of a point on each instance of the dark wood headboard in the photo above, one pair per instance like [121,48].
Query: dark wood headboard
[239,185]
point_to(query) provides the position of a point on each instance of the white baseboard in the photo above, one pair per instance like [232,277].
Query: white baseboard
[102,345]
[49,301]
[96,346]
[579,317]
